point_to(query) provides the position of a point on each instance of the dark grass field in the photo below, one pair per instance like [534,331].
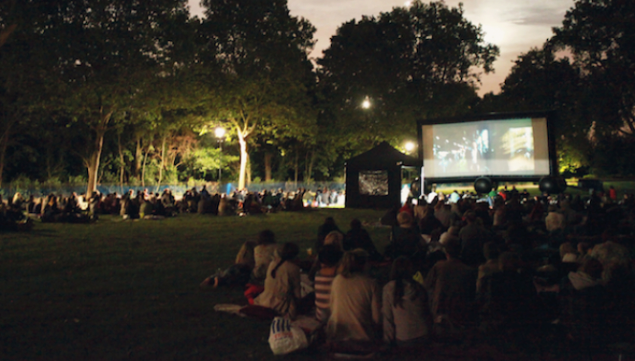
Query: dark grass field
[128,290]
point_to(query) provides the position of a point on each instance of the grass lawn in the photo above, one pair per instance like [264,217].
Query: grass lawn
[128,290]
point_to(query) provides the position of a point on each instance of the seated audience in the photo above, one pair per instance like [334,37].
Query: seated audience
[355,302]
[429,222]
[358,237]
[263,255]
[406,240]
[239,273]
[491,252]
[282,286]
[323,230]
[329,259]
[406,314]
[509,300]
[452,286]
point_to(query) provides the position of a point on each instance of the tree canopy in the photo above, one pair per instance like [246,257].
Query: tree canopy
[417,62]
[266,74]
[600,36]
[586,73]
[125,90]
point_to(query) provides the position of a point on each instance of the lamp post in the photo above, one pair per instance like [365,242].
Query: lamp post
[366,106]
[410,146]
[366,103]
[220,135]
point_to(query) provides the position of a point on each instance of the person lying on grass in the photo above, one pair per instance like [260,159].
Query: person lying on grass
[238,273]
[250,266]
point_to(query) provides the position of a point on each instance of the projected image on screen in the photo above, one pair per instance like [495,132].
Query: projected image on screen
[494,147]
[373,182]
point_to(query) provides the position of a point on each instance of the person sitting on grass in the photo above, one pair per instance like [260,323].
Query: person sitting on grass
[452,287]
[52,211]
[263,255]
[237,274]
[335,239]
[428,222]
[323,230]
[509,302]
[406,240]
[329,259]
[358,237]
[491,252]
[282,286]
[355,302]
[406,314]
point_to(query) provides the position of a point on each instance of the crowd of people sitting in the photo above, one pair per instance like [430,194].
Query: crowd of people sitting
[18,211]
[550,271]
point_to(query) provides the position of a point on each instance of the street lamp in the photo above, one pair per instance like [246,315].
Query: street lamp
[366,103]
[410,146]
[220,135]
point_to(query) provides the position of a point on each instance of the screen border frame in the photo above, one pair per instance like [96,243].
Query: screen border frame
[551,145]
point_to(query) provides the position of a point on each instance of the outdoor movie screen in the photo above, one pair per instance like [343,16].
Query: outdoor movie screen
[497,147]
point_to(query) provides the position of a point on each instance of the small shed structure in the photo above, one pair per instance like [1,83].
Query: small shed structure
[373,179]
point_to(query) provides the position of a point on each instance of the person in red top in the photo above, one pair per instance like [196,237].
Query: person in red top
[407,207]
[613,194]
[503,193]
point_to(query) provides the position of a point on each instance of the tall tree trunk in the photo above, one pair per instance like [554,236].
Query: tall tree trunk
[138,158]
[95,157]
[248,172]
[297,170]
[268,158]
[243,159]
[309,166]
[143,170]
[162,164]
[122,160]
[307,179]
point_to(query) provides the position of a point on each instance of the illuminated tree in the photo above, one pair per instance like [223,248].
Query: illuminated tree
[265,76]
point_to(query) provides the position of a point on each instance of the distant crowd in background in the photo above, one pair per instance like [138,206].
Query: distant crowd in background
[548,273]
[17,213]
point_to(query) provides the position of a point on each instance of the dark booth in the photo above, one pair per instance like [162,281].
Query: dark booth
[373,179]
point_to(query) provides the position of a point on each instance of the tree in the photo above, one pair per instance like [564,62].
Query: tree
[266,74]
[600,36]
[21,58]
[540,80]
[411,63]
[103,55]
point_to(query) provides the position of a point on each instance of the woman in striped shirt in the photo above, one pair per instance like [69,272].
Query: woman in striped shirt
[329,258]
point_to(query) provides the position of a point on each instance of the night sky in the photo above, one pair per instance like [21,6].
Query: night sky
[515,26]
